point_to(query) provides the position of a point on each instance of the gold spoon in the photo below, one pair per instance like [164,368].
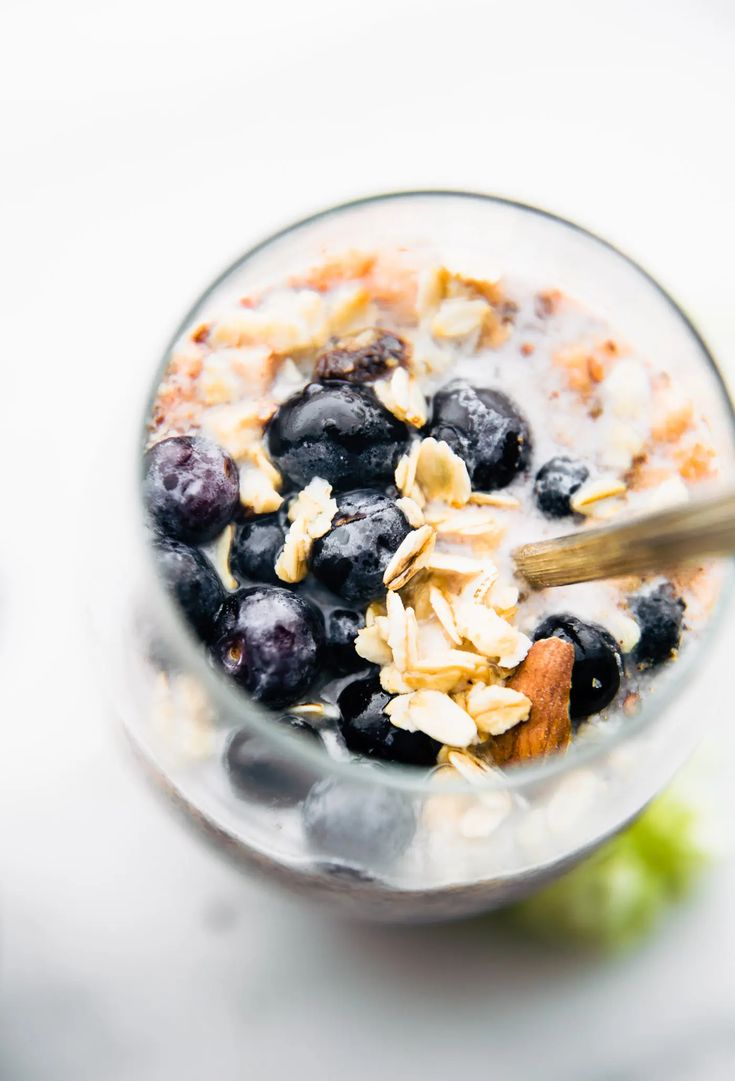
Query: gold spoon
[705,527]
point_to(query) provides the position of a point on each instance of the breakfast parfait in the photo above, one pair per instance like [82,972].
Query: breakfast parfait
[337,470]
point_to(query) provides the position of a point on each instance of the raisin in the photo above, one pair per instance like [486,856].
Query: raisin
[362,357]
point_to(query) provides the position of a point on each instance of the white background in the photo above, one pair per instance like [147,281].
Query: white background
[144,145]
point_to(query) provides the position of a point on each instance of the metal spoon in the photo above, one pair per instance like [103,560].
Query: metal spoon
[705,527]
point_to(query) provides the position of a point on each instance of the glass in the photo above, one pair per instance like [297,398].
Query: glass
[393,850]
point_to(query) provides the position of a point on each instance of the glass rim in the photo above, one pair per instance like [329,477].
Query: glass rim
[236,701]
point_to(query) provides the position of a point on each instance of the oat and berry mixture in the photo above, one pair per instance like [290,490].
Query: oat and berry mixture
[337,471]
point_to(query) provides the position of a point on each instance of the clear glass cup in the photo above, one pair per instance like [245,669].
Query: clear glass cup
[392,848]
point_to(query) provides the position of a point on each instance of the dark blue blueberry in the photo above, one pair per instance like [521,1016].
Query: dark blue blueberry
[336,431]
[367,730]
[342,627]
[555,484]
[362,357]
[193,581]
[485,429]
[358,823]
[598,665]
[259,770]
[660,613]
[191,488]
[256,546]
[269,640]
[351,558]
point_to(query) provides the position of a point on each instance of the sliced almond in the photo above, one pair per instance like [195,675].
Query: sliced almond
[488,287]
[237,428]
[261,461]
[433,638]
[496,709]
[444,614]
[473,815]
[486,810]
[441,474]
[371,646]
[397,631]
[454,305]
[288,381]
[315,709]
[315,506]
[437,513]
[457,317]
[412,511]
[415,493]
[502,597]
[432,289]
[463,660]
[468,766]
[350,308]
[392,681]
[372,612]
[490,634]
[257,492]
[478,589]
[436,715]
[221,557]
[495,499]
[411,556]
[445,680]
[292,564]
[405,474]
[545,678]
[586,498]
[465,525]
[402,396]
[462,566]
[412,638]
[398,711]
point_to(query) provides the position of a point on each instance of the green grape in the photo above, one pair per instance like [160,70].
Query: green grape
[619,893]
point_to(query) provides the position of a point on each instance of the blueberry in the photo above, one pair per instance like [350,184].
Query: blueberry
[355,822]
[336,431]
[485,429]
[367,730]
[555,484]
[256,546]
[351,558]
[269,640]
[598,665]
[191,488]
[362,357]
[660,613]
[342,627]
[193,581]
[260,771]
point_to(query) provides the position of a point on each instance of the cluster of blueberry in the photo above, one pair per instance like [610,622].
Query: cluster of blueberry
[274,641]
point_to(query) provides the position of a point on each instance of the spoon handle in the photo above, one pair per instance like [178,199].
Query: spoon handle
[652,542]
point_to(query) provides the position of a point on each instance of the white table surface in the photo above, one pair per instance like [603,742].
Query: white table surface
[144,145]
